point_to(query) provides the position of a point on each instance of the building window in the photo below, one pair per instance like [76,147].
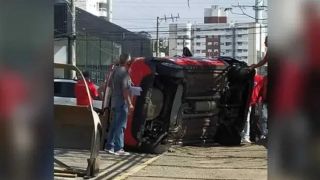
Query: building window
[209,43]
[216,43]
[216,50]
[198,29]
[102,6]
[239,35]
[198,37]
[198,44]
[186,36]
[227,51]
[203,51]
[228,43]
[209,50]
[198,51]
[239,50]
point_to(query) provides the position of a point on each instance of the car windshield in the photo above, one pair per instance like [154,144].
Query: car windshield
[64,89]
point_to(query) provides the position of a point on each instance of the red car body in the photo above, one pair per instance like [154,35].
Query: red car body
[187,100]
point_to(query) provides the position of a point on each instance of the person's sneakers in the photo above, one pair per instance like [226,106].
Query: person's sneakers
[263,140]
[263,137]
[245,141]
[110,151]
[122,153]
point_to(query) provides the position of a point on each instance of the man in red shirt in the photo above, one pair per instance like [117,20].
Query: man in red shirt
[255,98]
[13,92]
[81,93]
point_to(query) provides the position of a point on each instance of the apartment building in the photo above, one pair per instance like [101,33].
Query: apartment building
[100,8]
[218,37]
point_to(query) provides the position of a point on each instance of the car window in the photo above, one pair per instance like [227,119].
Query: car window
[64,89]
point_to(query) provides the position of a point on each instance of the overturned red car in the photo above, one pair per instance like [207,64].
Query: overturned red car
[187,100]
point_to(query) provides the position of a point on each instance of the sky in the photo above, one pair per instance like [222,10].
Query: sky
[140,15]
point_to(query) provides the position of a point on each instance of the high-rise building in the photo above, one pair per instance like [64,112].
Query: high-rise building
[217,37]
[215,14]
[179,37]
[100,8]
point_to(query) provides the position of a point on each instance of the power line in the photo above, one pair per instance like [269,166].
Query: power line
[180,30]
[176,38]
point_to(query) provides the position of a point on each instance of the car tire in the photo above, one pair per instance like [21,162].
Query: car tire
[155,149]
[228,136]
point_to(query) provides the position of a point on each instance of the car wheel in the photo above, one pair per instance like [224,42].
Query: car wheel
[155,149]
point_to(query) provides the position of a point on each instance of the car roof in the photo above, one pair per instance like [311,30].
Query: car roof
[195,61]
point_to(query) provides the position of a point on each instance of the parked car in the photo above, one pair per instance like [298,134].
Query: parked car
[187,100]
[64,93]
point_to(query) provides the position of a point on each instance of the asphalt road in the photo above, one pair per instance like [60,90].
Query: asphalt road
[186,162]
[203,163]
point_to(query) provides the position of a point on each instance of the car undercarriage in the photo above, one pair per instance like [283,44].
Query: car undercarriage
[189,101]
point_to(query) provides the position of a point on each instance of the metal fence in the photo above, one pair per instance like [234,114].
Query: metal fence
[95,55]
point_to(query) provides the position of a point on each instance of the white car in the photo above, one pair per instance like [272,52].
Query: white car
[64,93]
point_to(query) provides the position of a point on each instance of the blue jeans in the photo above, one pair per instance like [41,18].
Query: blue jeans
[115,138]
[245,134]
[263,120]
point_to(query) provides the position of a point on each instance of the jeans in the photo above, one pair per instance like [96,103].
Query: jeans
[263,120]
[115,138]
[246,131]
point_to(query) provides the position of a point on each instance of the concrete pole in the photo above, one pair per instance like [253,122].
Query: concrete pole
[234,42]
[258,10]
[157,50]
[72,38]
[109,10]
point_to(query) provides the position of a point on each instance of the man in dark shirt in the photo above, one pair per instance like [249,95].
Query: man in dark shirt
[120,104]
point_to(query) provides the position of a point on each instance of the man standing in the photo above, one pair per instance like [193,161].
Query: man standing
[81,92]
[255,98]
[120,104]
[264,113]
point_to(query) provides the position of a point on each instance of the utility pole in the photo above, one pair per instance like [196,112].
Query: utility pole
[234,42]
[157,50]
[258,8]
[72,38]
[158,23]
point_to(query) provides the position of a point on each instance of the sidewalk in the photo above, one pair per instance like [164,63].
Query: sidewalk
[111,166]
[204,163]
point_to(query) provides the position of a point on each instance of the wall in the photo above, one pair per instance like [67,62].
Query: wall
[60,51]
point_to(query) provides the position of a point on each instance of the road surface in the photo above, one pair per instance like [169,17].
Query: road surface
[187,162]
